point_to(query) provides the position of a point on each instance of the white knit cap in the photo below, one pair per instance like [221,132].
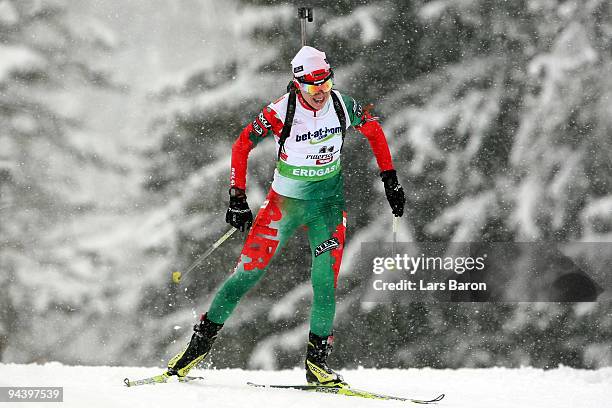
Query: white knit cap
[308,60]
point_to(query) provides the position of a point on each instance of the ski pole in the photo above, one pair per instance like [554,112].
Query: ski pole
[176,276]
[395,221]
[304,13]
[393,244]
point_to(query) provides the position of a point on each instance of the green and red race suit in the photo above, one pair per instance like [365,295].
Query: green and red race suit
[307,191]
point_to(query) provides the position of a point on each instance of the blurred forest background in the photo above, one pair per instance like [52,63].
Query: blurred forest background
[116,125]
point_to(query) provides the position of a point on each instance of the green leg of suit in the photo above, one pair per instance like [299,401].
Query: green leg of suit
[276,221]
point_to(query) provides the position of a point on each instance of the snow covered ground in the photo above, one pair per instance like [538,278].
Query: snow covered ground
[474,388]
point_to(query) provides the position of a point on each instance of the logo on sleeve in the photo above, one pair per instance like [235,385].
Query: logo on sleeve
[357,109]
[257,128]
[263,121]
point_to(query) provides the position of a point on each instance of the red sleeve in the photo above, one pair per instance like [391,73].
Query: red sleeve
[267,122]
[372,130]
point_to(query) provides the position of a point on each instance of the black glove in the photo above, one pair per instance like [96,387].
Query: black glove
[394,192]
[239,214]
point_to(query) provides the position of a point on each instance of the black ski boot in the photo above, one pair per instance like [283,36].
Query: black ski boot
[317,371]
[205,333]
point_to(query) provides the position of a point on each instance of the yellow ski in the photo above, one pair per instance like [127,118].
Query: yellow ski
[349,392]
[158,379]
